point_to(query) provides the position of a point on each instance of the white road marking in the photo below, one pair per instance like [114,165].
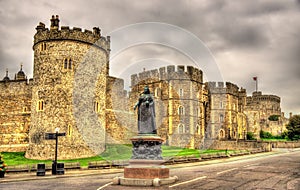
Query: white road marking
[105,186]
[250,165]
[226,171]
[185,182]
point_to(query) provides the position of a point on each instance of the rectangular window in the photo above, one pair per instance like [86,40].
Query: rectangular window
[40,105]
[180,92]
[70,130]
[97,107]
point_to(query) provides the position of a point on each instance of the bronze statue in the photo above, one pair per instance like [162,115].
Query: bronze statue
[146,113]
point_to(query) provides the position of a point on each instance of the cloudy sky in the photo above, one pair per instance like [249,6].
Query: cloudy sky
[245,38]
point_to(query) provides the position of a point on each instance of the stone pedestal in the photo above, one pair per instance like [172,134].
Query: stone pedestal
[146,165]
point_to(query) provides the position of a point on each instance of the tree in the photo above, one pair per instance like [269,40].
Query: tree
[293,127]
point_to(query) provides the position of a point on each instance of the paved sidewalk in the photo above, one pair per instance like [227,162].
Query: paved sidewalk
[25,176]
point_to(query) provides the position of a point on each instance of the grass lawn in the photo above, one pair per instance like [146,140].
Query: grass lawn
[113,152]
[283,140]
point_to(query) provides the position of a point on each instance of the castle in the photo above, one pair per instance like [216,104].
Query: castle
[72,91]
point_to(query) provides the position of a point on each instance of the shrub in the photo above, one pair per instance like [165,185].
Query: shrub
[265,135]
[250,136]
[3,166]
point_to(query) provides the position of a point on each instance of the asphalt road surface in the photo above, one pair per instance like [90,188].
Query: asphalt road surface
[260,171]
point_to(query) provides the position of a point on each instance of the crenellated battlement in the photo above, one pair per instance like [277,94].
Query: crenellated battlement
[258,96]
[65,33]
[222,87]
[170,72]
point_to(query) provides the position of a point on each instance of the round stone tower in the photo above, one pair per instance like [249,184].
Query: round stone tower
[70,73]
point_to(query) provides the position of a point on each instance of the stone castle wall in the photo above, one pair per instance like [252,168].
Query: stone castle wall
[15,112]
[226,121]
[69,77]
[178,102]
[119,115]
[259,108]
[72,86]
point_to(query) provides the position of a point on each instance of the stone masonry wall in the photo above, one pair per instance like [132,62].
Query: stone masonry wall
[174,89]
[119,115]
[14,113]
[69,77]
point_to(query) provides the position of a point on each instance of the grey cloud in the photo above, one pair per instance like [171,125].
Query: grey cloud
[248,38]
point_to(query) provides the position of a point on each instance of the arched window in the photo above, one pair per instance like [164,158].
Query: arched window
[221,118]
[24,109]
[221,134]
[157,92]
[198,129]
[97,107]
[70,63]
[181,110]
[43,46]
[221,104]
[181,129]
[40,105]
[66,64]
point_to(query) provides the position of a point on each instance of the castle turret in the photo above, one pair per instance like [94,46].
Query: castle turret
[6,78]
[21,75]
[70,73]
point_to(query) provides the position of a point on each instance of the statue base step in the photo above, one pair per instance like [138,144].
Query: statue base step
[144,182]
[146,172]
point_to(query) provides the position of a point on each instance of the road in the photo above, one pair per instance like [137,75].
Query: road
[261,171]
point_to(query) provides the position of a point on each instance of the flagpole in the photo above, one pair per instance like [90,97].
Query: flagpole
[256,83]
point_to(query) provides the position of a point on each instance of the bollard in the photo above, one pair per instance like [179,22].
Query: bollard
[60,169]
[41,169]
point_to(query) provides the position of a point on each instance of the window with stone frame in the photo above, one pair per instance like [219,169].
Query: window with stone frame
[181,129]
[43,46]
[180,92]
[40,105]
[68,64]
[221,134]
[157,92]
[70,130]
[24,110]
[97,107]
[221,118]
[198,129]
[181,110]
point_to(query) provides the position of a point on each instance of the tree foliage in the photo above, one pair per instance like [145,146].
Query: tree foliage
[250,136]
[265,135]
[293,127]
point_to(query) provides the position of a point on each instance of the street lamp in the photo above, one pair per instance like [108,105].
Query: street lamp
[54,136]
[54,164]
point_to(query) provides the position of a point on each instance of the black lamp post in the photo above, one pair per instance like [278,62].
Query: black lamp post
[54,164]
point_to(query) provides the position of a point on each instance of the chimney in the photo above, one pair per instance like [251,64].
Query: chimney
[54,22]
